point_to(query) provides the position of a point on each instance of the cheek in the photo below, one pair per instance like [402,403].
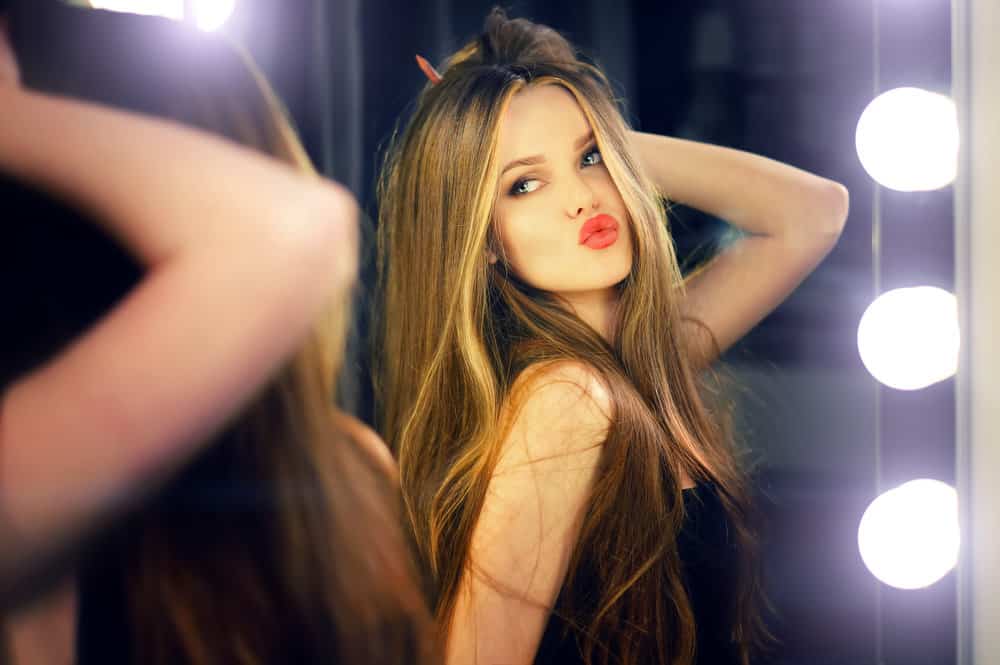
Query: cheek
[520,238]
[608,192]
[533,251]
[507,241]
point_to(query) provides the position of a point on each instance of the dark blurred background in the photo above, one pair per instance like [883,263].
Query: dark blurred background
[783,78]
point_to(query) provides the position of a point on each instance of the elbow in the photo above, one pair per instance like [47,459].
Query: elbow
[331,244]
[835,203]
[307,243]
[819,216]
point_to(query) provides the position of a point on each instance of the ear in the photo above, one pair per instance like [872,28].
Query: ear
[491,256]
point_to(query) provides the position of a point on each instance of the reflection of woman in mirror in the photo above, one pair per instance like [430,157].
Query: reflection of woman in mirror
[280,543]
[572,499]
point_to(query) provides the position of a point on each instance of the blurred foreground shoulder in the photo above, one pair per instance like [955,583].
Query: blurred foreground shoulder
[370,443]
[332,232]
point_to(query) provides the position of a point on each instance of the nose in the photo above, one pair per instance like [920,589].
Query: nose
[580,197]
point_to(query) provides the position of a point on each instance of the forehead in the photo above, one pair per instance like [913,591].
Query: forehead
[541,119]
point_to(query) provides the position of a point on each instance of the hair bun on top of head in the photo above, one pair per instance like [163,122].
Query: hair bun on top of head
[508,42]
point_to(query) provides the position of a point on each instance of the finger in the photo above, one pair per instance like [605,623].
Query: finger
[9,71]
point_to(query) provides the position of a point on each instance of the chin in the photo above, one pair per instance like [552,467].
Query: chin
[622,274]
[605,283]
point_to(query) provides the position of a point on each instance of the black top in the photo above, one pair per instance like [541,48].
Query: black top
[708,561]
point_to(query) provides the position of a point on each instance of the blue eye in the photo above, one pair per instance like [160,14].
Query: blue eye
[525,186]
[592,157]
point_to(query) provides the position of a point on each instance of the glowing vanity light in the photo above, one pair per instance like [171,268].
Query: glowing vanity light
[909,536]
[207,14]
[907,139]
[909,338]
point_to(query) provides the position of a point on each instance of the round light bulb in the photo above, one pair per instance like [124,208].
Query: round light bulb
[209,15]
[909,338]
[907,139]
[909,536]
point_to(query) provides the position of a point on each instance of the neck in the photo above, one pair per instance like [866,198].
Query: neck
[599,309]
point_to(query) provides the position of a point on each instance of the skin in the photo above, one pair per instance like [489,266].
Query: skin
[531,517]
[542,205]
[790,219]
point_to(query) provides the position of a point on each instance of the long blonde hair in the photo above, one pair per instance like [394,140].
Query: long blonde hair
[455,334]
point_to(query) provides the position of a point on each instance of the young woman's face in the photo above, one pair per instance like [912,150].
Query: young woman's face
[561,222]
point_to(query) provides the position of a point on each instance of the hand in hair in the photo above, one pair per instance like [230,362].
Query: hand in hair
[9,70]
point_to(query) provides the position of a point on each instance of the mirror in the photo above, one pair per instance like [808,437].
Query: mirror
[788,80]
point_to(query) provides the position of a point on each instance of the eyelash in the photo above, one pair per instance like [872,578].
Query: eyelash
[592,151]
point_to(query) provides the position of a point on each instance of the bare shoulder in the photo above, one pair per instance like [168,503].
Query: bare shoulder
[565,378]
[556,420]
[554,410]
[369,442]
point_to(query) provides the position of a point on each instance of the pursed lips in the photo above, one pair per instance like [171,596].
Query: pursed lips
[599,231]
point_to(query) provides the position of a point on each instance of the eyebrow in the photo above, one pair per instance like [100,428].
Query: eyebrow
[538,159]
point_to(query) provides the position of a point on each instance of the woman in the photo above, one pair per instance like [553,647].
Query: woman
[571,497]
[280,542]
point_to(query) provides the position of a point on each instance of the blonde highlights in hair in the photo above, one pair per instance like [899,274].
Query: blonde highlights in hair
[455,333]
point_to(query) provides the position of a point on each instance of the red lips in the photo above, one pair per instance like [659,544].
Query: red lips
[599,232]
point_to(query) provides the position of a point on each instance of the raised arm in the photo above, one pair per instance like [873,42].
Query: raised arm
[241,253]
[792,220]
[530,520]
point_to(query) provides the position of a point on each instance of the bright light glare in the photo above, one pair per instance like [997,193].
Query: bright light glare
[909,338]
[211,14]
[907,139]
[909,536]
[168,8]
[208,14]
